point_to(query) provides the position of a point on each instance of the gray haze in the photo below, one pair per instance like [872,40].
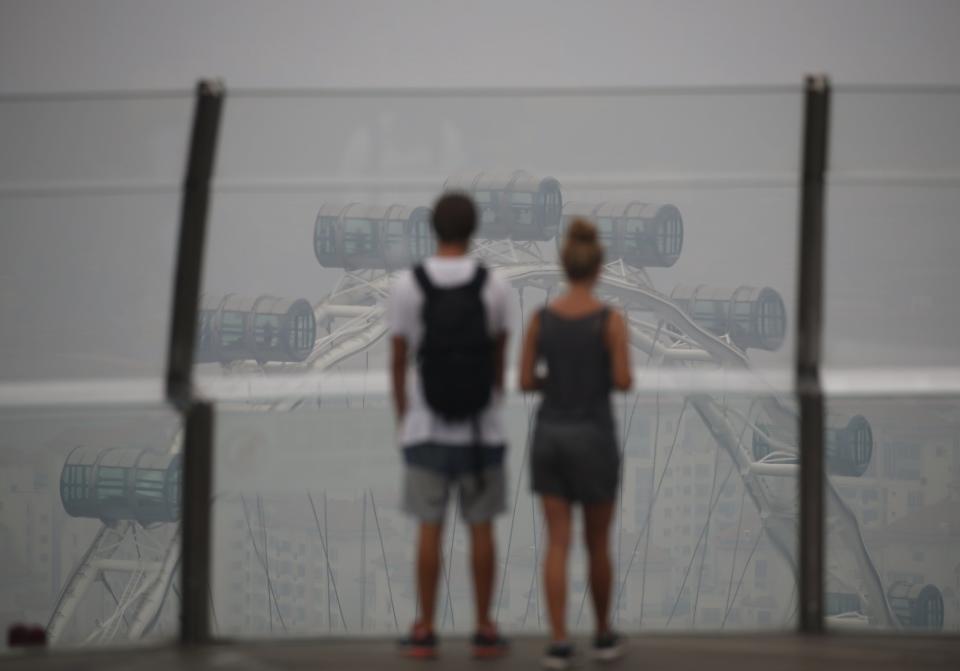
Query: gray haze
[89,206]
[108,44]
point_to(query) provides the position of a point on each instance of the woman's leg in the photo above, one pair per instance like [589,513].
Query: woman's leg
[597,518]
[557,512]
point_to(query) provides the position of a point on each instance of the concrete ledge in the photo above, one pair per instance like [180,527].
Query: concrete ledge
[673,653]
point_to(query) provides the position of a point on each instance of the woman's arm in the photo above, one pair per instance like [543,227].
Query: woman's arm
[619,346]
[528,358]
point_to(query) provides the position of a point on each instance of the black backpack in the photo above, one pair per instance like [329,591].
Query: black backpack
[456,352]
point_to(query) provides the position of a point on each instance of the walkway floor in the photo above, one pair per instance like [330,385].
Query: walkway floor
[672,653]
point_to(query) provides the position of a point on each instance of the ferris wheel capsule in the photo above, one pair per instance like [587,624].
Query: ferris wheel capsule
[512,205]
[371,237]
[236,328]
[751,316]
[643,235]
[116,484]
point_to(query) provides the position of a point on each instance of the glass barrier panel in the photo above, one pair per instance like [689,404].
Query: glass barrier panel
[311,539]
[892,234]
[891,359]
[86,285]
[322,199]
[893,472]
[77,141]
[90,501]
[89,201]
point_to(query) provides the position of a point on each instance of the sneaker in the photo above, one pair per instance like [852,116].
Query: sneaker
[607,647]
[488,643]
[558,656]
[420,644]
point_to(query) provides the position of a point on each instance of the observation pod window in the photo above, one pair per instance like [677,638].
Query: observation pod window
[849,449]
[303,331]
[486,214]
[928,609]
[522,205]
[394,241]
[421,235]
[266,331]
[325,240]
[405,235]
[669,236]
[772,317]
[607,232]
[206,329]
[231,328]
[550,203]
[917,606]
[359,237]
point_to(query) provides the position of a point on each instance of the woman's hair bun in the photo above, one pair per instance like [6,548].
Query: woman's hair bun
[581,254]
[582,231]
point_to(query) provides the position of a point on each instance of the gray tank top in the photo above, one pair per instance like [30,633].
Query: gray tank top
[578,382]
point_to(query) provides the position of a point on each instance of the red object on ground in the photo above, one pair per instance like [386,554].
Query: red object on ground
[21,635]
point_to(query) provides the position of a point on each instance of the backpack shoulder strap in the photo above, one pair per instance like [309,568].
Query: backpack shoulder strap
[420,275]
[479,278]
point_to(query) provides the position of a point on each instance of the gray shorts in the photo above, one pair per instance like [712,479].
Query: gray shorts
[432,471]
[578,461]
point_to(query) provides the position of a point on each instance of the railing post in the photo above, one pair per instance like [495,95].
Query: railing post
[195,592]
[197,416]
[809,325]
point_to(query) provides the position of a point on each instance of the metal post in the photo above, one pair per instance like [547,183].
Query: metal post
[197,483]
[190,248]
[809,322]
[197,416]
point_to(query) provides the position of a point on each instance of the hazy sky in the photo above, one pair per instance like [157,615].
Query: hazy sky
[106,44]
[87,279]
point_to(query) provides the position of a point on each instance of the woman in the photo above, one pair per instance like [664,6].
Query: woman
[574,455]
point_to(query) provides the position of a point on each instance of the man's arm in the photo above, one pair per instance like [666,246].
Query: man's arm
[499,361]
[398,375]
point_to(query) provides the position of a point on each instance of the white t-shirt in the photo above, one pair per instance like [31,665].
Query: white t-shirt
[404,309]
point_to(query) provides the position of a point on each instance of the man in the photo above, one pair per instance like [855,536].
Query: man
[448,316]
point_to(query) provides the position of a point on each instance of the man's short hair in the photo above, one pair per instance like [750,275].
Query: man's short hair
[454,217]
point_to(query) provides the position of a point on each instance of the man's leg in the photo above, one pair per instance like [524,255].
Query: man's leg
[480,502]
[483,561]
[425,495]
[428,569]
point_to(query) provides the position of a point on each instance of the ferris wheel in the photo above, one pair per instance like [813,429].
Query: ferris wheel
[521,218]
[699,327]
